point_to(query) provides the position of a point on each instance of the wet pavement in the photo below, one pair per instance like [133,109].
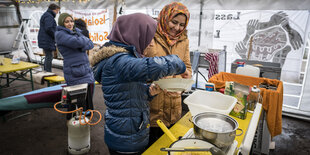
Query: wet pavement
[295,137]
[44,131]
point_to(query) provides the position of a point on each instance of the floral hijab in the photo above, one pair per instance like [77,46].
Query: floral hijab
[166,14]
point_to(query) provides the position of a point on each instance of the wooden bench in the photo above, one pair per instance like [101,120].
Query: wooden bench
[54,80]
[57,80]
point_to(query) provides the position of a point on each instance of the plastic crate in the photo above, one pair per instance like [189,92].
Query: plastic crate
[205,101]
[269,70]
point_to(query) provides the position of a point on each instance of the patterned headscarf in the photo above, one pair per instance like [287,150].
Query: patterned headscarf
[134,29]
[166,15]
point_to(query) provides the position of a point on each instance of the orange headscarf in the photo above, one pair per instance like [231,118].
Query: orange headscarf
[166,15]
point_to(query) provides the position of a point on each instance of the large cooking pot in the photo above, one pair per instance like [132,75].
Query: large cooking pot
[216,128]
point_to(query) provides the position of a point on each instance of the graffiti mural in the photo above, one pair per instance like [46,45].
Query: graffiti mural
[264,35]
[269,41]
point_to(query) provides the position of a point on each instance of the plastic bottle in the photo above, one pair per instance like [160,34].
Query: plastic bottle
[253,98]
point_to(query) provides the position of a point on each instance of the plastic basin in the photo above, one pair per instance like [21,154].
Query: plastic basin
[205,101]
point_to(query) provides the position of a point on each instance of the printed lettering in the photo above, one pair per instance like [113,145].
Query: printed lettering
[228,16]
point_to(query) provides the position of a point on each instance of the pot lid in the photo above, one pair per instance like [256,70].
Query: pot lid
[191,142]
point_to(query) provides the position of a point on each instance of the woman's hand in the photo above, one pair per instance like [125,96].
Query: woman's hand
[186,75]
[154,89]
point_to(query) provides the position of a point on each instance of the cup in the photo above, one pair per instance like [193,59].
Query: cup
[240,64]
[209,87]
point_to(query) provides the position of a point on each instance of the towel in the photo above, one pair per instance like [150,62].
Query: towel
[39,76]
[213,59]
[272,99]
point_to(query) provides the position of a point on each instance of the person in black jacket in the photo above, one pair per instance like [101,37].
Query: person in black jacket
[46,36]
[80,24]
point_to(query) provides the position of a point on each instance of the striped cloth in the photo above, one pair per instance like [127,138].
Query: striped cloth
[213,59]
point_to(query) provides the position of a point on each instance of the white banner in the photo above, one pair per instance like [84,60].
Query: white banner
[97,23]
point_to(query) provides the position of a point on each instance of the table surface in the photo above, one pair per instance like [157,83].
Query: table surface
[9,67]
[55,78]
[184,124]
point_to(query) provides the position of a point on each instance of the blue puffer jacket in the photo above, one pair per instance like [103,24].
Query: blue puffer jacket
[46,36]
[123,77]
[73,46]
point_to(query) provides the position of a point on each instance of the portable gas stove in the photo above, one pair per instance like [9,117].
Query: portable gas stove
[228,150]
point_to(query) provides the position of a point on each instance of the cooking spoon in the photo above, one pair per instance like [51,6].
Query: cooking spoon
[214,150]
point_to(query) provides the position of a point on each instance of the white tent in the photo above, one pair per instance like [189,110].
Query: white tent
[213,24]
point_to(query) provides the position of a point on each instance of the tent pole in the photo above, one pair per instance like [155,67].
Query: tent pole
[200,21]
[16,4]
[115,11]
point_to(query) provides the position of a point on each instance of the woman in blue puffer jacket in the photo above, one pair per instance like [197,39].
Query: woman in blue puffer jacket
[123,72]
[72,45]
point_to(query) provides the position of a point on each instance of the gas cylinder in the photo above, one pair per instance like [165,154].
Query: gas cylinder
[78,136]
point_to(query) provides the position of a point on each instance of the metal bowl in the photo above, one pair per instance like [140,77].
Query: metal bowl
[216,128]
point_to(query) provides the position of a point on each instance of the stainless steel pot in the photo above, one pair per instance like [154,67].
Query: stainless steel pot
[216,128]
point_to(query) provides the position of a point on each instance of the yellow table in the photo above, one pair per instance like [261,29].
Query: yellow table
[245,141]
[9,68]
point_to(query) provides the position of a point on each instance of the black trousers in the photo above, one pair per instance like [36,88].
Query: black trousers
[155,133]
